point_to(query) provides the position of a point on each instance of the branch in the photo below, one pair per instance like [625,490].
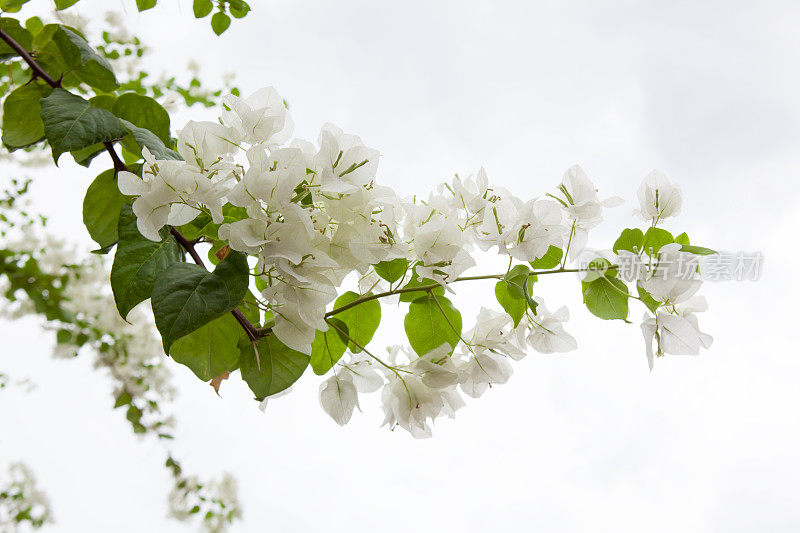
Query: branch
[38,71]
[249,328]
[188,246]
[119,166]
[424,288]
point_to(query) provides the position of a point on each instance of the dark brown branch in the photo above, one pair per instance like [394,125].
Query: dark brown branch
[188,246]
[38,71]
[119,165]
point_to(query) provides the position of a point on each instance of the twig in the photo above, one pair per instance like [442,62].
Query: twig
[38,71]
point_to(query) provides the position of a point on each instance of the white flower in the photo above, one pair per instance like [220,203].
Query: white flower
[343,163]
[471,194]
[271,178]
[499,224]
[410,403]
[362,372]
[492,332]
[338,397]
[539,226]
[547,333]
[658,198]
[673,277]
[436,368]
[204,143]
[262,117]
[678,333]
[578,196]
[246,235]
[437,238]
[481,370]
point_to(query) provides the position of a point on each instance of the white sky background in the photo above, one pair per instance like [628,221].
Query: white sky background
[707,92]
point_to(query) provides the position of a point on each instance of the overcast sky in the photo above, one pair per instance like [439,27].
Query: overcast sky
[707,92]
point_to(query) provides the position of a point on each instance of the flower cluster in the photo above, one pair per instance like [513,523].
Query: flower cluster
[315,213]
[22,503]
[81,311]
[215,502]
[315,216]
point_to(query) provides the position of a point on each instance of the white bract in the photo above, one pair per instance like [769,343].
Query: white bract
[584,210]
[313,217]
[675,332]
[673,277]
[658,198]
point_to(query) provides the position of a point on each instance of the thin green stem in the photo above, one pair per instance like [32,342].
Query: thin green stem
[569,243]
[351,339]
[425,288]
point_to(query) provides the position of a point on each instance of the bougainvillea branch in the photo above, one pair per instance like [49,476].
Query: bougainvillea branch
[119,166]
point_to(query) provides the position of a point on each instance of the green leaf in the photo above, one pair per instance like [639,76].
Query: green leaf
[606,298]
[124,398]
[392,270]
[192,230]
[138,261]
[220,22]
[85,156]
[12,6]
[34,25]
[600,266]
[15,30]
[235,273]
[64,4]
[328,346]
[71,123]
[416,282]
[276,368]
[64,53]
[202,8]
[143,112]
[655,238]
[362,320]
[211,350]
[134,416]
[249,308]
[186,297]
[101,207]
[682,238]
[144,5]
[630,240]
[143,137]
[647,300]
[516,280]
[515,307]
[430,322]
[22,123]
[551,259]
[697,250]
[519,285]
[103,101]
[238,8]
